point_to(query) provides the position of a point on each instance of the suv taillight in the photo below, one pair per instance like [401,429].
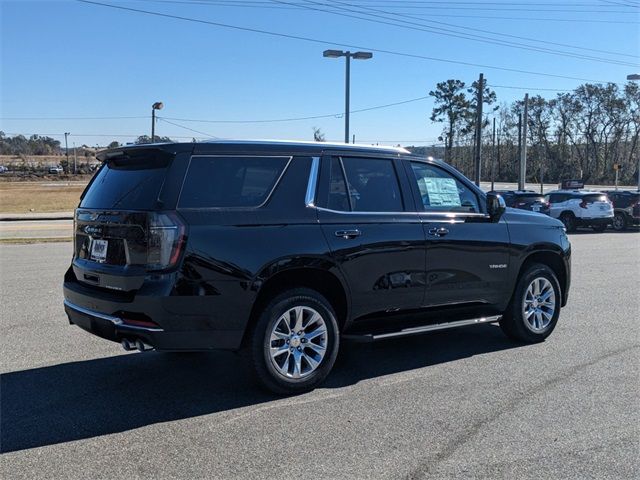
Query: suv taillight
[166,240]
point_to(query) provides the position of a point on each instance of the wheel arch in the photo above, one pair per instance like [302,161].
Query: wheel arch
[554,260]
[321,280]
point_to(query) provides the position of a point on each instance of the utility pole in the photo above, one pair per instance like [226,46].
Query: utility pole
[493,155]
[75,159]
[523,149]
[520,186]
[354,138]
[66,147]
[498,159]
[478,158]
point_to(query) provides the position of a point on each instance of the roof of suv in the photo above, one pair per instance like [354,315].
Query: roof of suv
[238,146]
[577,192]
[308,144]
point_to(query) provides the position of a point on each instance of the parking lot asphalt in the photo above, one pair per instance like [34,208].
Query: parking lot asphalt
[465,403]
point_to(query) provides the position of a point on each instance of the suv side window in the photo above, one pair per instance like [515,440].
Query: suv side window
[219,182]
[442,192]
[557,198]
[371,182]
[338,194]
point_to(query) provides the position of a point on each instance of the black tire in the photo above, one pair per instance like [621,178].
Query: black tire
[569,221]
[259,342]
[599,228]
[513,322]
[619,222]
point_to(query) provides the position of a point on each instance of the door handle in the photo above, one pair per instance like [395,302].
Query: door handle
[438,232]
[347,234]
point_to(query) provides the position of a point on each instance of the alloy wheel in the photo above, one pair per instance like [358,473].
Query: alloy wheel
[539,304]
[298,342]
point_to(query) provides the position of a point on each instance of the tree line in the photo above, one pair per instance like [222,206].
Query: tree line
[579,134]
[43,145]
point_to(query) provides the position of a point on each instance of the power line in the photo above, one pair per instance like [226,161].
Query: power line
[495,33]
[443,6]
[331,42]
[443,31]
[187,128]
[295,119]
[72,118]
[452,33]
[430,15]
[127,135]
[529,88]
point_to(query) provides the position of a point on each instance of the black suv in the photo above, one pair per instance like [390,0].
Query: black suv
[525,200]
[626,208]
[284,249]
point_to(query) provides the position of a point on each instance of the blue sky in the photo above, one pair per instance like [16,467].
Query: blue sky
[70,59]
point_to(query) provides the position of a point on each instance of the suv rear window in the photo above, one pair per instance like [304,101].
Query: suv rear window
[219,182]
[598,197]
[127,183]
[528,198]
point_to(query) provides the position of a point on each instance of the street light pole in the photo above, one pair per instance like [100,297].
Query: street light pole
[347,93]
[154,107]
[348,56]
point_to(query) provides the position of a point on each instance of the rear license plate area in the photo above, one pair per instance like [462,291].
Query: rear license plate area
[99,250]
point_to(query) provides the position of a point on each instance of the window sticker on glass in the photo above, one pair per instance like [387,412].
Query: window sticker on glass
[443,192]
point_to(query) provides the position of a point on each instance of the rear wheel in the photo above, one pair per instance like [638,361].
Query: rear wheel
[294,343]
[599,228]
[619,222]
[534,310]
[569,221]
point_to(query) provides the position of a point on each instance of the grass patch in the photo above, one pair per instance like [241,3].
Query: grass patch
[39,197]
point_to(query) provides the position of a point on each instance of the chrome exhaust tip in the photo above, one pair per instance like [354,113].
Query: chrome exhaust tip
[142,347]
[128,345]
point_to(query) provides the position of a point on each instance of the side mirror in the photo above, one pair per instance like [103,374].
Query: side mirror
[496,206]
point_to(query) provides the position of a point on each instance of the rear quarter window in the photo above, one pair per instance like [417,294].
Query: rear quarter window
[230,181]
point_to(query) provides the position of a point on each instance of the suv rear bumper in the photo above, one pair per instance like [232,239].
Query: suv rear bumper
[104,317]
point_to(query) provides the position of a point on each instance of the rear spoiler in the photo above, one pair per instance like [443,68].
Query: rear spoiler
[134,155]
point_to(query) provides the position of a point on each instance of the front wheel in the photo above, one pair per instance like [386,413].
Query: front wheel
[294,343]
[534,310]
[569,222]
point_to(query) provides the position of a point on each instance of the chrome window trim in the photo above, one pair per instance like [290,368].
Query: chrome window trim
[118,322]
[452,215]
[310,197]
[252,207]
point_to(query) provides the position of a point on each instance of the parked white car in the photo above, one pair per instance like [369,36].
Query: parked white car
[581,208]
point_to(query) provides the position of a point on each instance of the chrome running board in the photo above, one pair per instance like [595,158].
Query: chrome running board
[372,337]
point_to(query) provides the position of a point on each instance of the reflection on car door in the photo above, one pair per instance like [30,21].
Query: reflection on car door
[467,254]
[373,231]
